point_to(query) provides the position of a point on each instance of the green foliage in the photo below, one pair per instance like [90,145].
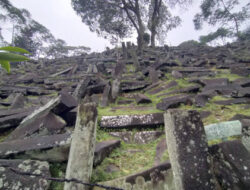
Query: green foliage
[245,35]
[57,170]
[189,44]
[6,56]
[29,34]
[122,17]
[219,33]
[229,14]
[129,159]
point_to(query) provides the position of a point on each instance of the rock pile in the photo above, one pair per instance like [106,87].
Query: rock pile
[44,116]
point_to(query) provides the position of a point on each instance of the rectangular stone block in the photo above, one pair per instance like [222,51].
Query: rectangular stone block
[130,121]
[188,150]
[81,156]
[223,130]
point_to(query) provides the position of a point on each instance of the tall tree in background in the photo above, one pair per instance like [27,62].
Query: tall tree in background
[122,17]
[113,17]
[160,20]
[9,13]
[227,14]
[31,35]
[221,33]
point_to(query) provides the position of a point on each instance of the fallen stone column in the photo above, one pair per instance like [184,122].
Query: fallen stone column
[82,148]
[132,121]
[188,150]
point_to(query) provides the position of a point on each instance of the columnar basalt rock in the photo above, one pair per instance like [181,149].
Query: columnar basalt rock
[131,121]
[10,180]
[82,148]
[106,96]
[188,150]
[81,89]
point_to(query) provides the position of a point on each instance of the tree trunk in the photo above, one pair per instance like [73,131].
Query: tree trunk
[140,41]
[153,34]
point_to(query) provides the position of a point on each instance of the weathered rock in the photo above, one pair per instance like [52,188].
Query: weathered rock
[142,99]
[96,88]
[47,124]
[150,87]
[239,117]
[229,90]
[188,150]
[120,102]
[142,137]
[8,112]
[160,149]
[174,102]
[192,70]
[127,86]
[232,163]
[41,111]
[153,75]
[233,101]
[65,71]
[176,74]
[106,96]
[189,89]
[201,100]
[215,82]
[11,180]
[205,114]
[81,88]
[115,89]
[14,120]
[103,149]
[130,121]
[15,147]
[81,156]
[163,87]
[95,98]
[244,82]
[19,101]
[242,71]
[158,177]
[243,92]
[66,103]
[223,130]
[118,70]
[39,91]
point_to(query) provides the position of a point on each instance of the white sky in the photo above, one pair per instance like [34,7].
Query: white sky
[60,18]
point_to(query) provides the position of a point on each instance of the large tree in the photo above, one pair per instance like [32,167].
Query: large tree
[122,17]
[28,33]
[33,37]
[228,14]
[160,20]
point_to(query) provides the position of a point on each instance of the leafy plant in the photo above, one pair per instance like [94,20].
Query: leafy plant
[6,56]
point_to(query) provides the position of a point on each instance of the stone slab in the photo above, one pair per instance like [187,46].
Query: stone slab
[223,130]
[13,181]
[47,124]
[188,150]
[14,147]
[130,121]
[103,149]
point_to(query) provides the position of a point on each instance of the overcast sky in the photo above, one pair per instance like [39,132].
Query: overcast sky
[60,18]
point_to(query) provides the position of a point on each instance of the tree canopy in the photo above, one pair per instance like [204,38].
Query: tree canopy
[123,17]
[30,34]
[227,14]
